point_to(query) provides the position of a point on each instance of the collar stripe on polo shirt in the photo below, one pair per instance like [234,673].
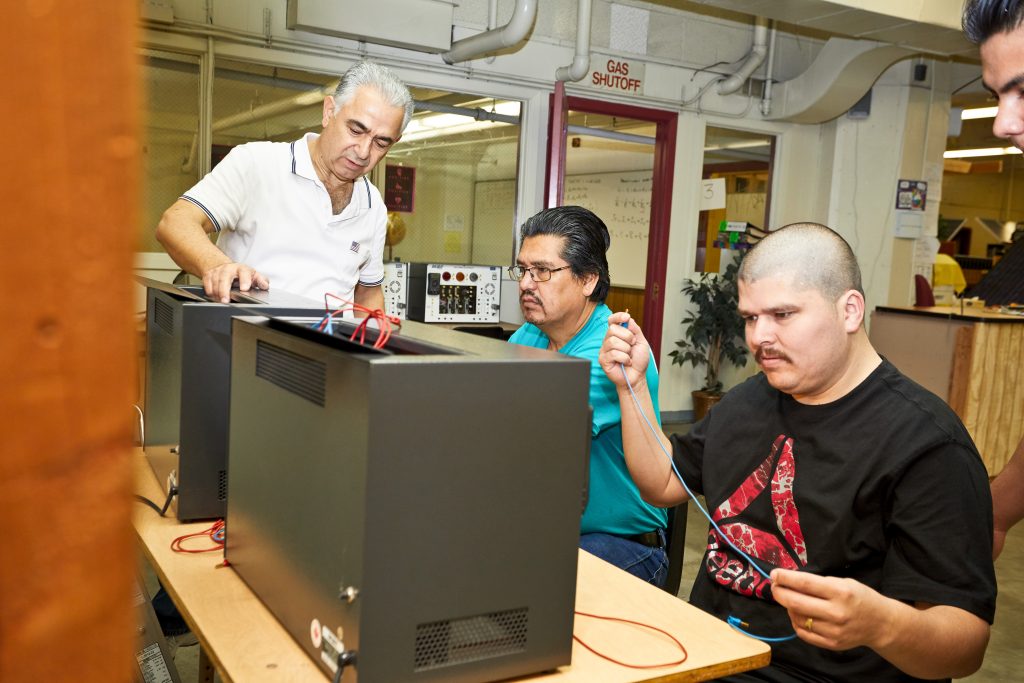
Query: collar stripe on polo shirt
[366,182]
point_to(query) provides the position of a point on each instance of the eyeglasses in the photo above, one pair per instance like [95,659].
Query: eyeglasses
[538,273]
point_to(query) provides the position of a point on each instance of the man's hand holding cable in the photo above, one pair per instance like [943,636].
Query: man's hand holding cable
[645,446]
[217,281]
[830,612]
[624,346]
[925,641]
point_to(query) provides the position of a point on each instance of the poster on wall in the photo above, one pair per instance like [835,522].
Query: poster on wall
[399,183]
[911,195]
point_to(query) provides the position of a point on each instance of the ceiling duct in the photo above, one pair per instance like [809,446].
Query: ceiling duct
[930,26]
[840,75]
[422,25]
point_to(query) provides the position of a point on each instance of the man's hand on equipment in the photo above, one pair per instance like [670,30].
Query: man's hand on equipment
[217,281]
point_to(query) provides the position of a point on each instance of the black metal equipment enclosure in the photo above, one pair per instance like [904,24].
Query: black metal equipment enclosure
[416,507]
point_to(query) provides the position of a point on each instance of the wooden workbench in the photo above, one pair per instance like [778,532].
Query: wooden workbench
[246,644]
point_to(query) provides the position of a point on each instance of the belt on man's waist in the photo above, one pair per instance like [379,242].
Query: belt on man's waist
[654,539]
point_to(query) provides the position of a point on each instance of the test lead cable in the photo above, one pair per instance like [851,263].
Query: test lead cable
[735,622]
[384,321]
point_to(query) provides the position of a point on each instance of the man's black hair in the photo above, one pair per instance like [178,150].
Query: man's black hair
[982,19]
[586,241]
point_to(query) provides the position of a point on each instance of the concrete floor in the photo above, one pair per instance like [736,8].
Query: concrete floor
[1004,659]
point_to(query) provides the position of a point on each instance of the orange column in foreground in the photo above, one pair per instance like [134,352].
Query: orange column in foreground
[69,185]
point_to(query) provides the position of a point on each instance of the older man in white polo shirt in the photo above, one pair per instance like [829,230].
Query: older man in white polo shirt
[301,215]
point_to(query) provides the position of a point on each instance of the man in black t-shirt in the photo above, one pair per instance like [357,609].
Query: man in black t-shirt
[851,509]
[997,27]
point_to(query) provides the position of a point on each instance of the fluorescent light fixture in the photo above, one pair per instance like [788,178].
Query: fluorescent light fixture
[979,152]
[740,144]
[433,125]
[980,113]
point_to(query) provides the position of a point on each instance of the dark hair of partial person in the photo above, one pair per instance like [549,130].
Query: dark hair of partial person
[390,87]
[982,19]
[586,241]
[814,255]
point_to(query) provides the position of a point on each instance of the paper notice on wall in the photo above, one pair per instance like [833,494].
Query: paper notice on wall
[712,194]
[452,242]
[925,249]
[933,176]
[454,223]
[908,224]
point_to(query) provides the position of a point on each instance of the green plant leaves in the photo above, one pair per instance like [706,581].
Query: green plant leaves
[714,329]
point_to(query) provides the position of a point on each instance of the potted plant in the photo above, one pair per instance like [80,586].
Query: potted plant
[714,331]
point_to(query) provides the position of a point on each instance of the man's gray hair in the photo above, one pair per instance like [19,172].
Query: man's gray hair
[381,78]
[816,257]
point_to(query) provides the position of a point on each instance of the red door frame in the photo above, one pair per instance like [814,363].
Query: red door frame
[661,189]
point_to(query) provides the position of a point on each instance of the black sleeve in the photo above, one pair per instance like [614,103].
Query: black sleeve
[688,455]
[939,529]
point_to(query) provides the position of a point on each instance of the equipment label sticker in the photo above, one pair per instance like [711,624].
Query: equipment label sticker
[152,665]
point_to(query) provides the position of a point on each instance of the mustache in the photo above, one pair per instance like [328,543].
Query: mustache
[531,297]
[762,351]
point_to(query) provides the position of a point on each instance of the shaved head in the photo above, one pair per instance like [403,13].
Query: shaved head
[813,255]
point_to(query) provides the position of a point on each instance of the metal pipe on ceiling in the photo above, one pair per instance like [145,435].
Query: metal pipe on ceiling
[611,135]
[481,44]
[758,51]
[581,61]
[766,93]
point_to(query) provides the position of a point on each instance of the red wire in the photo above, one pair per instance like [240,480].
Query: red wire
[177,545]
[635,623]
[384,321]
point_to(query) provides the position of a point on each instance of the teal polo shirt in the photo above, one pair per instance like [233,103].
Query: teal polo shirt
[614,505]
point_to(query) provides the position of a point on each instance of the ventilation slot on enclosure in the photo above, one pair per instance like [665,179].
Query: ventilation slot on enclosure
[457,641]
[222,485]
[297,374]
[163,315]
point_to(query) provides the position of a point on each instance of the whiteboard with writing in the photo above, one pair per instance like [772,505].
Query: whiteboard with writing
[623,201]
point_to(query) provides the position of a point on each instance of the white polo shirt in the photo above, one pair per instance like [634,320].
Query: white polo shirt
[272,213]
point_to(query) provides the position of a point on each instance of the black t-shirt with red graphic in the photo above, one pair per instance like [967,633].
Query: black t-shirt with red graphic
[883,486]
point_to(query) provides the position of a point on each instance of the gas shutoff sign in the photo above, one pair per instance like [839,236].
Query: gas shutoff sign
[618,75]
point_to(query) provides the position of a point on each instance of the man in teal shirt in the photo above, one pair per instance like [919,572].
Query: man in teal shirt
[563,281]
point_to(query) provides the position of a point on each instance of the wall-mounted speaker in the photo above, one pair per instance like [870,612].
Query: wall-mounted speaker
[862,108]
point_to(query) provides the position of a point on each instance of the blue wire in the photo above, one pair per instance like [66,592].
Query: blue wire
[685,487]
[329,329]
[737,624]
[732,621]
